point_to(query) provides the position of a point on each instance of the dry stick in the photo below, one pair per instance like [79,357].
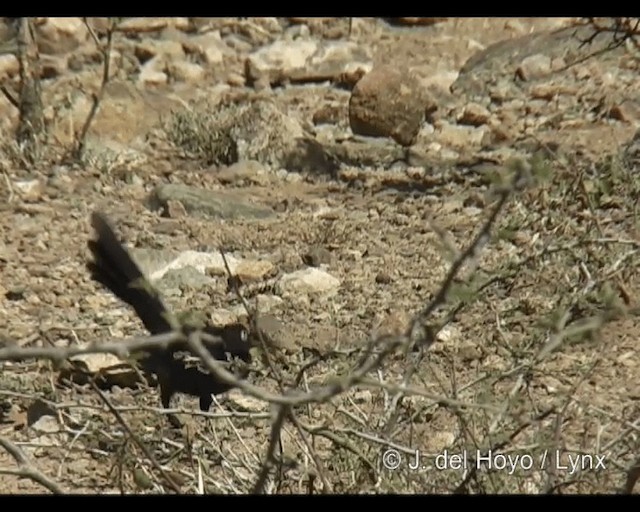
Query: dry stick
[394,408]
[326,485]
[119,348]
[253,320]
[631,429]
[503,410]
[551,485]
[621,30]
[118,465]
[556,340]
[31,122]
[276,372]
[278,423]
[135,408]
[97,98]
[126,348]
[321,394]
[630,33]
[7,181]
[344,442]
[462,487]
[586,326]
[441,296]
[26,469]
[254,326]
[216,445]
[311,480]
[239,437]
[438,399]
[543,353]
[70,446]
[478,242]
[135,438]
[10,97]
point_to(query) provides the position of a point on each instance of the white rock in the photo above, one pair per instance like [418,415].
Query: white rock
[209,46]
[283,55]
[246,403]
[187,72]
[534,66]
[201,261]
[150,48]
[151,75]
[265,303]
[440,81]
[47,424]
[309,280]
[29,189]
[307,60]
[152,24]
[223,317]
[93,363]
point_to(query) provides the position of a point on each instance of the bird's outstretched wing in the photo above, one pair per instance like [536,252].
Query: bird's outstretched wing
[113,267]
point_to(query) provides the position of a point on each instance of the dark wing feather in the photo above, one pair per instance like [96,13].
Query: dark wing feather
[114,268]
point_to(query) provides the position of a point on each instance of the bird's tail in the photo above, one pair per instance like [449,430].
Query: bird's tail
[113,267]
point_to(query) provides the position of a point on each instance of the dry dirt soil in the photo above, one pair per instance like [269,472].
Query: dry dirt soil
[532,384]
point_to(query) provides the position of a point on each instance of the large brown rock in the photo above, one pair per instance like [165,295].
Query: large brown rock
[60,35]
[389,102]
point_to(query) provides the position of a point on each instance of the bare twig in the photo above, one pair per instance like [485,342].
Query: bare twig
[26,469]
[422,332]
[10,97]
[31,124]
[269,460]
[499,445]
[97,97]
[276,372]
[620,29]
[135,438]
[117,348]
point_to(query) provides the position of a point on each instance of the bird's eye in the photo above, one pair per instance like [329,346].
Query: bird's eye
[244,335]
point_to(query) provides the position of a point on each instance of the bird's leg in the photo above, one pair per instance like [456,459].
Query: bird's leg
[166,392]
[205,402]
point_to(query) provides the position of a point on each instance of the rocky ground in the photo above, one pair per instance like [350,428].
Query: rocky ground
[342,166]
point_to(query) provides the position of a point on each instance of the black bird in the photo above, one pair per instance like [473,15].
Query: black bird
[177,369]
